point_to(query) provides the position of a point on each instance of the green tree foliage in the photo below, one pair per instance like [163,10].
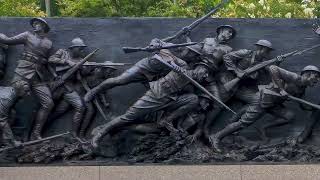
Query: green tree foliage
[190,8]
[163,8]
[20,8]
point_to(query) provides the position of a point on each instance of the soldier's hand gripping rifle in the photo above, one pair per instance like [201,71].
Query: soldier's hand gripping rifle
[71,71]
[195,83]
[152,48]
[189,28]
[233,83]
[30,143]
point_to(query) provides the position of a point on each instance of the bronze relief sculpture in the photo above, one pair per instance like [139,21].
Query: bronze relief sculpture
[207,100]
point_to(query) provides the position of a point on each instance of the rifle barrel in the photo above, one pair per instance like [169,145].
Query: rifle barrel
[195,83]
[195,23]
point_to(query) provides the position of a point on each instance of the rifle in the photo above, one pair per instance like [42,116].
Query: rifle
[30,143]
[95,101]
[231,84]
[195,83]
[299,100]
[196,23]
[155,48]
[72,70]
[105,64]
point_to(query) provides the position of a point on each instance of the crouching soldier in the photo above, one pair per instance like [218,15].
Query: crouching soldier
[9,97]
[172,93]
[271,101]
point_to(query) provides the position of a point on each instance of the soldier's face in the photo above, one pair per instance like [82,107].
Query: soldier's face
[38,26]
[78,52]
[262,51]
[225,34]
[311,78]
[202,73]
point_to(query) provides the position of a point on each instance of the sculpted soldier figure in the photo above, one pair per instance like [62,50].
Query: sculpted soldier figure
[31,69]
[64,59]
[247,89]
[272,96]
[172,93]
[307,131]
[9,97]
[210,51]
[146,70]
[212,47]
[91,79]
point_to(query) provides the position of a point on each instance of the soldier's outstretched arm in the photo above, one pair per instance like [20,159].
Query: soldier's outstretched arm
[279,76]
[18,39]
[60,57]
[231,59]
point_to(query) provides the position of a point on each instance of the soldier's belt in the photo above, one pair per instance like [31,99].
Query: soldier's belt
[27,56]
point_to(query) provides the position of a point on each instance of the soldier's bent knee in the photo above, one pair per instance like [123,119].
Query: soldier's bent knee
[48,104]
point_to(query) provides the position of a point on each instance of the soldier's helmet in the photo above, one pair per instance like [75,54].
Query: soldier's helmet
[202,64]
[77,42]
[234,32]
[46,29]
[310,68]
[264,43]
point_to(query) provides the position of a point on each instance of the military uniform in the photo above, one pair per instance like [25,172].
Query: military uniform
[146,70]
[70,91]
[247,90]
[269,101]
[31,70]
[169,93]
[7,100]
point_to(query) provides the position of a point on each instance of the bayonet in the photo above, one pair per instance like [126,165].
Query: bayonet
[189,28]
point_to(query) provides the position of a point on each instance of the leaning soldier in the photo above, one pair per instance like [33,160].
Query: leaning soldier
[246,91]
[172,93]
[70,91]
[307,131]
[9,97]
[144,71]
[272,97]
[31,69]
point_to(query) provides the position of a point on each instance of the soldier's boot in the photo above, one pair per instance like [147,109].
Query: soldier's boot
[102,130]
[76,123]
[36,132]
[39,124]
[86,121]
[229,129]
